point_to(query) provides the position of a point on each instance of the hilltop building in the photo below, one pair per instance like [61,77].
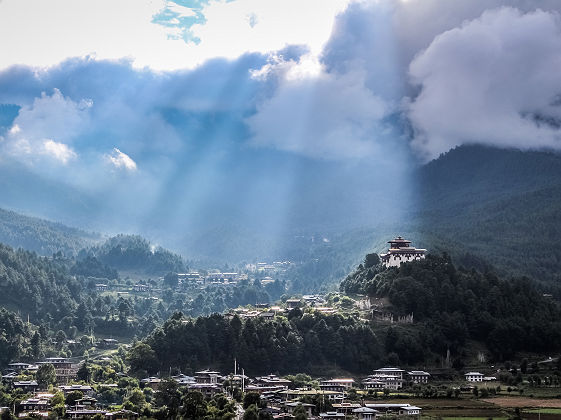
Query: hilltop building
[401,251]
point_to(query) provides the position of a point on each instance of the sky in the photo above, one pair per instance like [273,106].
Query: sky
[194,116]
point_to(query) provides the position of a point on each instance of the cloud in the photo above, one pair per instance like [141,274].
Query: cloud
[319,114]
[120,160]
[491,81]
[181,11]
[43,129]
[59,151]
[53,116]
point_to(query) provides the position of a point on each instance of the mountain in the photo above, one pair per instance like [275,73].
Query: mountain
[42,236]
[501,206]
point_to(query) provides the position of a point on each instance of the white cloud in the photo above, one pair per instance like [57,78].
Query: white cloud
[180,11]
[45,33]
[120,160]
[52,116]
[43,129]
[59,151]
[319,114]
[491,81]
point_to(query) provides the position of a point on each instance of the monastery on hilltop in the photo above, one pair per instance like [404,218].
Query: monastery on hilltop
[401,251]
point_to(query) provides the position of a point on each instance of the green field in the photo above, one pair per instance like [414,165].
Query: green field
[544,410]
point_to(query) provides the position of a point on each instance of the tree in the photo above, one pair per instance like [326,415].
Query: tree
[251,398]
[168,395]
[73,396]
[194,405]
[142,357]
[171,280]
[524,366]
[251,413]
[300,413]
[83,373]
[46,375]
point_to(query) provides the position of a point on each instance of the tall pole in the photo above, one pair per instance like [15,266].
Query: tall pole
[243,380]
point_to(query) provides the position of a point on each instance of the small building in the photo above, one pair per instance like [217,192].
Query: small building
[208,377]
[418,376]
[365,413]
[401,251]
[273,380]
[291,406]
[385,378]
[65,371]
[474,377]
[100,287]
[19,366]
[141,287]
[84,389]
[332,415]
[35,405]
[346,408]
[293,303]
[151,382]
[27,386]
[340,384]
[399,409]
[207,389]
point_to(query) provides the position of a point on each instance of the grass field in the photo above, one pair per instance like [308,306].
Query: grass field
[524,402]
[544,410]
[474,418]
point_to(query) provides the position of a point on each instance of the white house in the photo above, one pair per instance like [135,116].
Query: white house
[385,378]
[418,376]
[474,377]
[340,384]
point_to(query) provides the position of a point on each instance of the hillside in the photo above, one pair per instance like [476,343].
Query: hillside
[503,206]
[42,236]
[133,252]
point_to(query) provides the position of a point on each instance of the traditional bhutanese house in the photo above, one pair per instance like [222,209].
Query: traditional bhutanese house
[346,408]
[365,413]
[294,394]
[400,409]
[418,376]
[151,382]
[208,377]
[26,385]
[84,389]
[339,384]
[35,405]
[291,406]
[64,369]
[385,378]
[401,251]
[474,377]
[122,415]
[208,390]
[332,415]
[272,380]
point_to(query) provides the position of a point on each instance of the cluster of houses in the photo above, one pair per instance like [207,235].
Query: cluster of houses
[39,405]
[282,399]
[268,311]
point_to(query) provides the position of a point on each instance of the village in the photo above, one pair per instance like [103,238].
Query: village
[344,397]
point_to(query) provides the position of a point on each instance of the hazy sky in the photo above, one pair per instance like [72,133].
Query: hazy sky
[142,101]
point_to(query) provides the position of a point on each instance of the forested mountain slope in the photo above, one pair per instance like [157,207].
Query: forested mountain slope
[503,206]
[133,252]
[42,236]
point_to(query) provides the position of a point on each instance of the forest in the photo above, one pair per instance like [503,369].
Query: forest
[452,308]
[453,305]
